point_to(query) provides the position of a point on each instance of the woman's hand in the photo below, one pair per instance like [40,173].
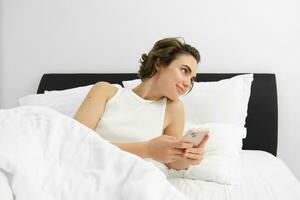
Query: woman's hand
[167,149]
[195,155]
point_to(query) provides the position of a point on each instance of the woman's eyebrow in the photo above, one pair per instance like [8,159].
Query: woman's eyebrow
[188,68]
[194,78]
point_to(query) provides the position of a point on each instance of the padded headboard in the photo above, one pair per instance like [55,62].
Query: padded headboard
[261,121]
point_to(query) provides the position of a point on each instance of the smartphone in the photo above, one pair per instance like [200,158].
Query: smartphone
[195,135]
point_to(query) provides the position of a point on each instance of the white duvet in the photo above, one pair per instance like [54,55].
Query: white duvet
[45,155]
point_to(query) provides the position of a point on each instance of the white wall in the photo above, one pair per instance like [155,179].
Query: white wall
[44,36]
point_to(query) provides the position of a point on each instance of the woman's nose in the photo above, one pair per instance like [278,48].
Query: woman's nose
[187,83]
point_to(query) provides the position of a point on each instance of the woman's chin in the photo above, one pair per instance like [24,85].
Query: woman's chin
[174,97]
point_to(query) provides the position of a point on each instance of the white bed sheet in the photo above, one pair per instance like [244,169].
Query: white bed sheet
[264,177]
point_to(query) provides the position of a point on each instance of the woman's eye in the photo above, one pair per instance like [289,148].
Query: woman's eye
[184,70]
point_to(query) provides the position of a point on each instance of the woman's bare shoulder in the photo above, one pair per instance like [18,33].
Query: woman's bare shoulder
[104,88]
[93,106]
[174,106]
[174,113]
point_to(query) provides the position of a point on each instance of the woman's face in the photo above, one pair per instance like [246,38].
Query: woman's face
[176,79]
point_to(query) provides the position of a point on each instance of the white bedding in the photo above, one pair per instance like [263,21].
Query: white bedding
[264,177]
[48,156]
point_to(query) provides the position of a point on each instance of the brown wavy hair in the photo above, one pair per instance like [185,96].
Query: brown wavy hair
[163,53]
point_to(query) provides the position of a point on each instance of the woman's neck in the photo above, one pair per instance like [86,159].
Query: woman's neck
[148,89]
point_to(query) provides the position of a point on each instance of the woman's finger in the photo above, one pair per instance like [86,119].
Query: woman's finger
[193,156]
[195,150]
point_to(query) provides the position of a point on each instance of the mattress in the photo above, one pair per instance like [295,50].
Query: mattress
[263,177]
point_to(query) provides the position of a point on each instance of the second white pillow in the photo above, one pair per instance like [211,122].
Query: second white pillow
[221,162]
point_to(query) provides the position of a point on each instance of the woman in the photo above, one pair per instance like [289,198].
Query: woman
[149,119]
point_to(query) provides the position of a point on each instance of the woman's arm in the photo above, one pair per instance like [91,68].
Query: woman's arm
[175,125]
[175,120]
[165,149]
[92,108]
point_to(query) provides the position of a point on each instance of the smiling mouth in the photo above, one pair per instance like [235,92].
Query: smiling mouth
[180,90]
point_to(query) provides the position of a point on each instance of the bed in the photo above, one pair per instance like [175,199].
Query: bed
[262,174]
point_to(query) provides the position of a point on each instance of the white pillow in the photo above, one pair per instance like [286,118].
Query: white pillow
[70,91]
[221,162]
[64,101]
[131,83]
[223,101]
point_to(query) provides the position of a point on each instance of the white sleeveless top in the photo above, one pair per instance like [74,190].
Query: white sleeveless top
[129,118]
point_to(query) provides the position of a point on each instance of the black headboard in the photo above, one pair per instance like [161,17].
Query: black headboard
[261,122]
